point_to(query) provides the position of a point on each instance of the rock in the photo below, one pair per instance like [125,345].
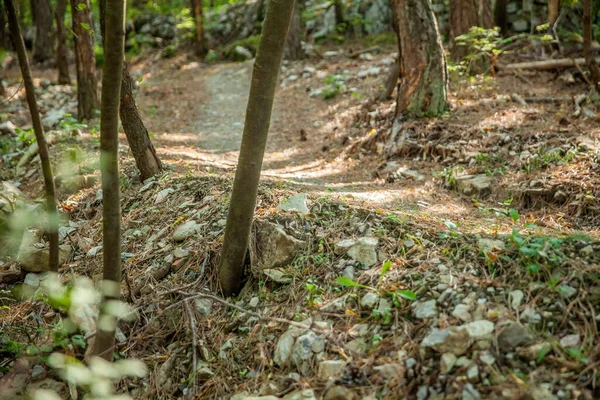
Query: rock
[473,373]
[364,251]
[531,315]
[204,306]
[541,393]
[35,257]
[470,185]
[277,247]
[571,341]
[284,347]
[489,245]
[369,300]
[513,335]
[224,349]
[516,298]
[587,251]
[478,330]
[53,117]
[32,280]
[163,195]
[336,305]
[447,362]
[303,350]
[450,340]
[374,71]
[8,128]
[339,393]
[305,394]
[359,330]
[38,373]
[379,16]
[253,303]
[470,393]
[533,352]
[277,276]
[185,231]
[246,397]
[487,358]
[243,53]
[330,53]
[358,345]
[567,291]
[349,272]
[462,312]
[427,309]
[390,370]
[330,368]
[180,253]
[520,25]
[343,246]
[295,203]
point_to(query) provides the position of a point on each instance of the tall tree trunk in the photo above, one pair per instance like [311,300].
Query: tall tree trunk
[295,34]
[587,44]
[501,16]
[3,35]
[109,162]
[553,12]
[141,146]
[43,43]
[423,89]
[200,40]
[339,12]
[463,15]
[254,140]
[38,129]
[62,61]
[87,85]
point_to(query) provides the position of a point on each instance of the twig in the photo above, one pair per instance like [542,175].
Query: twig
[554,26]
[359,52]
[584,76]
[194,344]
[13,95]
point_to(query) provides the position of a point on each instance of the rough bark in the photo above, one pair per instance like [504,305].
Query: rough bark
[463,15]
[62,61]
[87,85]
[196,6]
[423,88]
[141,146]
[38,129]
[587,44]
[43,43]
[254,139]
[295,34]
[501,16]
[109,162]
[553,12]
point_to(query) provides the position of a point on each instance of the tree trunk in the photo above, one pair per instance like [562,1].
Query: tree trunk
[43,43]
[200,40]
[339,12]
[501,16]
[463,15]
[87,86]
[587,44]
[141,146]
[109,164]
[423,89]
[553,12]
[62,61]
[38,129]
[3,35]
[486,14]
[295,36]
[254,139]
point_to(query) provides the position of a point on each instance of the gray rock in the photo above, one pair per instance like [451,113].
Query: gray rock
[379,16]
[427,309]
[185,231]
[228,345]
[479,330]
[450,340]
[531,316]
[473,373]
[571,341]
[487,358]
[515,298]
[8,128]
[587,251]
[330,368]
[349,272]
[520,25]
[253,303]
[339,393]
[541,393]
[284,347]
[163,195]
[53,117]
[470,393]
[462,312]
[364,251]
[180,253]
[243,52]
[358,345]
[390,370]
[470,185]
[447,362]
[32,280]
[38,372]
[359,330]
[277,247]
[567,291]
[513,335]
[295,203]
[369,300]
[343,246]
[277,276]
[303,350]
[35,257]
[304,394]
[336,305]
[242,396]
[488,245]
[204,306]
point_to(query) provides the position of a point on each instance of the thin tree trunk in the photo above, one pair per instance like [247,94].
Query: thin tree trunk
[254,139]
[196,6]
[463,15]
[553,12]
[3,35]
[587,44]
[423,89]
[43,43]
[294,38]
[38,129]
[339,12]
[87,85]
[109,156]
[141,146]
[501,16]
[391,82]
[62,61]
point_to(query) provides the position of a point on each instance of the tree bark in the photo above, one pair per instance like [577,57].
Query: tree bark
[109,162]
[587,44]
[463,15]
[553,12]
[43,43]
[254,139]
[295,36]
[339,12]
[38,129]
[62,61]
[87,85]
[3,35]
[196,6]
[423,89]
[141,146]
[501,16]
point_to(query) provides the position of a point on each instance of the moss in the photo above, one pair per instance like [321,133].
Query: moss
[250,43]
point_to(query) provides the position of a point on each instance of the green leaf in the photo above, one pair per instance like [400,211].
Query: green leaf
[533,268]
[386,267]
[344,281]
[81,6]
[514,214]
[86,26]
[407,294]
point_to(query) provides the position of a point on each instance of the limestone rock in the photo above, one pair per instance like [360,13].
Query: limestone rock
[330,368]
[185,231]
[364,251]
[295,203]
[474,185]
[276,248]
[513,335]
[427,309]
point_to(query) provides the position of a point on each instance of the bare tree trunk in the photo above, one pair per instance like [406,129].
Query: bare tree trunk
[423,89]
[62,61]
[3,35]
[141,146]
[254,140]
[587,44]
[51,211]
[43,43]
[501,16]
[109,162]
[200,40]
[463,15]
[339,12]
[553,12]
[87,85]
[295,34]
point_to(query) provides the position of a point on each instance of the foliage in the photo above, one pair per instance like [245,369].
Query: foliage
[484,47]
[250,43]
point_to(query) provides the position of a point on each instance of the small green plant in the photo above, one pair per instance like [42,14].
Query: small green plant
[484,47]
[26,137]
[314,292]
[334,85]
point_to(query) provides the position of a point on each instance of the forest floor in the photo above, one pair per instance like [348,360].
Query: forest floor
[488,217]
